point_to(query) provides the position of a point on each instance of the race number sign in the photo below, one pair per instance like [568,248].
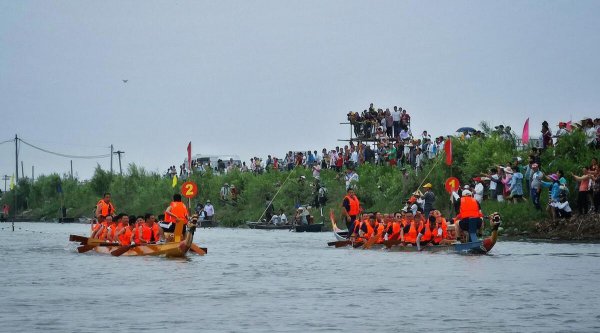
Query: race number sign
[452,184]
[189,189]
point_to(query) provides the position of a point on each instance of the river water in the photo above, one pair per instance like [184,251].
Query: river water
[280,281]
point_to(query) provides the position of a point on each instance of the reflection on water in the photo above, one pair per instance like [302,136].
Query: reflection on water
[264,281]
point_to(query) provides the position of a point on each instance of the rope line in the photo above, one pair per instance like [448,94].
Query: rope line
[65,155]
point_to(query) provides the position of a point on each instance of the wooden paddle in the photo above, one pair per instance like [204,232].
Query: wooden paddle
[85,248]
[199,250]
[343,243]
[77,238]
[372,241]
[122,249]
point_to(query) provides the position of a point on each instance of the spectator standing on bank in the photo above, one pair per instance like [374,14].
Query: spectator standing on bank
[536,185]
[396,121]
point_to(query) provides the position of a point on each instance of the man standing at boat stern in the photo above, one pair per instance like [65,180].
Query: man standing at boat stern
[176,213]
[350,209]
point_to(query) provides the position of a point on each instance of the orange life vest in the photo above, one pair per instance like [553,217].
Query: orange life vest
[106,208]
[411,235]
[150,234]
[394,230]
[125,237]
[425,230]
[380,230]
[178,209]
[369,233]
[136,234]
[354,205]
[469,208]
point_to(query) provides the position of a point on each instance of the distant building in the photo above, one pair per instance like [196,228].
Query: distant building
[201,159]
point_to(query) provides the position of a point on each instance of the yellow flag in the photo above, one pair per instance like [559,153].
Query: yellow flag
[174,181]
[12,182]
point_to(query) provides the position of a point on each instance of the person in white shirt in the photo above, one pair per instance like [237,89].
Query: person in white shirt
[478,195]
[209,210]
[283,218]
[354,157]
[316,171]
[563,209]
[396,119]
[351,177]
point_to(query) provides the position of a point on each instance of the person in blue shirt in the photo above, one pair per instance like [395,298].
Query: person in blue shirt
[554,187]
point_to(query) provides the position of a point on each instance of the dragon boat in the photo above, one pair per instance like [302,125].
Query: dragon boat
[178,247]
[473,246]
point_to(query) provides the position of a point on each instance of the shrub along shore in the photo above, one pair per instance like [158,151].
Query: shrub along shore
[380,188]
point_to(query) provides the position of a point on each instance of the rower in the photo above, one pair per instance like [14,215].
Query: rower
[151,232]
[393,229]
[176,213]
[102,231]
[350,209]
[440,230]
[423,230]
[408,234]
[124,235]
[112,228]
[470,216]
[136,236]
[367,228]
[104,207]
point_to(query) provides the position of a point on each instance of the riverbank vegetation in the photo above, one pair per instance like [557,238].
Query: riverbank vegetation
[380,188]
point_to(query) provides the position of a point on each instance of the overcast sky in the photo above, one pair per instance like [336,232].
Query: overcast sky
[263,77]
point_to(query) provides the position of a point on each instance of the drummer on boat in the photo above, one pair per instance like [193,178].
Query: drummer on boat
[105,207]
[470,216]
[176,213]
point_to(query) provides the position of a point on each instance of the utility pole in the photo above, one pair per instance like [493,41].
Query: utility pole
[5,179]
[16,158]
[22,170]
[71,169]
[118,152]
[112,149]
[32,175]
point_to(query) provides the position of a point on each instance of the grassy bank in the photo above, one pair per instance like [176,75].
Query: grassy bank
[380,188]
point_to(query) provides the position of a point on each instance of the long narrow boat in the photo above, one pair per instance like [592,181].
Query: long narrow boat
[267,226]
[473,247]
[315,227]
[177,248]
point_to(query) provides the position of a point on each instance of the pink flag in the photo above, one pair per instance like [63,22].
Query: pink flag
[525,137]
[189,149]
[569,126]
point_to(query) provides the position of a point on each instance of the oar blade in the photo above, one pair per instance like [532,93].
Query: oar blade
[120,250]
[85,248]
[198,250]
[77,238]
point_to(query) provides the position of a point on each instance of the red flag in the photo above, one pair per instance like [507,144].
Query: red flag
[525,137]
[448,150]
[189,149]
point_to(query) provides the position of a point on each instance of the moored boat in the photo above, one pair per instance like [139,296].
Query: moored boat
[268,226]
[316,227]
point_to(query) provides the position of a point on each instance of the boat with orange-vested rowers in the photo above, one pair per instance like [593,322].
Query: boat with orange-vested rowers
[472,247]
[178,247]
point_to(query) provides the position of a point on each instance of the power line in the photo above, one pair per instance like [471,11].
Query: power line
[65,155]
[7,141]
